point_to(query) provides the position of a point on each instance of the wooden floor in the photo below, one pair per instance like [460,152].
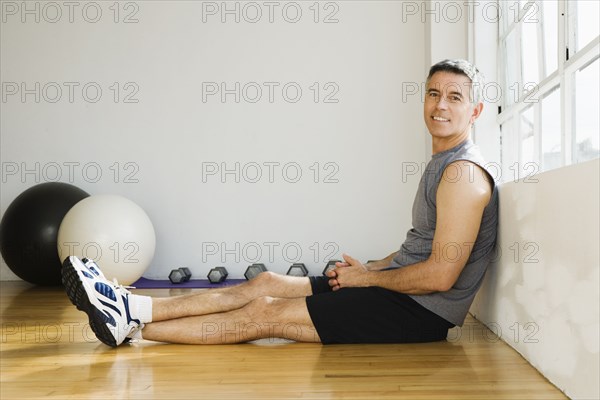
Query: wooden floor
[48,351]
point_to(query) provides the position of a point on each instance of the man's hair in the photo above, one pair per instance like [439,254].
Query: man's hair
[461,67]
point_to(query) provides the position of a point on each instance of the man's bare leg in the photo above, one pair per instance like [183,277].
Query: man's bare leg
[231,298]
[263,317]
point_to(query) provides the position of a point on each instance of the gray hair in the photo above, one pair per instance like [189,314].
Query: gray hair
[462,67]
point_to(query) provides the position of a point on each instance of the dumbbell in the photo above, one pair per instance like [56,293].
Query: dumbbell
[330,265]
[297,269]
[180,275]
[217,275]
[253,270]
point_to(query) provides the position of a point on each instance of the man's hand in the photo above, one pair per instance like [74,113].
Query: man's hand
[350,273]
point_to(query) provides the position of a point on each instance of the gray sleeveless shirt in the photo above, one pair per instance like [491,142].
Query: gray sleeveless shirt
[453,304]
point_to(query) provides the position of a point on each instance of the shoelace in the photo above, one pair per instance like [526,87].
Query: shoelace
[122,287]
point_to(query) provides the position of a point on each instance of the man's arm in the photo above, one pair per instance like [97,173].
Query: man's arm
[381,264]
[462,195]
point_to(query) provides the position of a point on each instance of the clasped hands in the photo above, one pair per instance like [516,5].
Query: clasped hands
[350,273]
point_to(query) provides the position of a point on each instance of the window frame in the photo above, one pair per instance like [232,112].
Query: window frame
[568,63]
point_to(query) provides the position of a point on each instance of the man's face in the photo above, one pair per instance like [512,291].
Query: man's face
[448,110]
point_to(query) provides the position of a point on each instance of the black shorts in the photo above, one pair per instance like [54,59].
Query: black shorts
[371,315]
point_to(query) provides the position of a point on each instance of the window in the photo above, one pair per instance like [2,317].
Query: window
[550,130]
[549,10]
[585,12]
[527,138]
[587,98]
[549,69]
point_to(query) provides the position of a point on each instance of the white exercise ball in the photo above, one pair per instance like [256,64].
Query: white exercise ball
[111,230]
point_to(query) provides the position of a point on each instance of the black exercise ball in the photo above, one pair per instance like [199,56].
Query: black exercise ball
[29,231]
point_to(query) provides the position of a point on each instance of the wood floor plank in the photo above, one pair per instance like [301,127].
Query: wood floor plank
[48,351]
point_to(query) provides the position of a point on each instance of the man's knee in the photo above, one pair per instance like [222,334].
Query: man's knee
[285,318]
[261,307]
[262,278]
[265,280]
[270,308]
[279,286]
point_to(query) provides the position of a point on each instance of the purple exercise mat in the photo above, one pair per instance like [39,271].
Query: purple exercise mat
[144,283]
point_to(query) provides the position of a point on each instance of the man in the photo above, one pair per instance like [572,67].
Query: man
[413,295]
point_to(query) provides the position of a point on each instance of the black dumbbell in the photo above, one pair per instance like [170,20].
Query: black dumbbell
[253,270]
[217,275]
[330,265]
[297,269]
[180,275]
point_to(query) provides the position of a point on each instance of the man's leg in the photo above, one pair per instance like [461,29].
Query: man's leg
[263,317]
[116,315]
[231,298]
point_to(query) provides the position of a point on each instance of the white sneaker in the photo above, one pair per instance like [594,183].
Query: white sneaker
[106,303]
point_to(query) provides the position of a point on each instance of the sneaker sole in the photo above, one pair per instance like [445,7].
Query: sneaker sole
[76,292]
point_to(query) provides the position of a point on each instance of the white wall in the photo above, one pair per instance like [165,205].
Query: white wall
[542,293]
[445,35]
[170,133]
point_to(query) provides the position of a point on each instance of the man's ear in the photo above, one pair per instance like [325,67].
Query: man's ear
[476,112]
